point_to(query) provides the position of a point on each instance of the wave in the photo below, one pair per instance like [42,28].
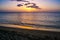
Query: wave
[30,27]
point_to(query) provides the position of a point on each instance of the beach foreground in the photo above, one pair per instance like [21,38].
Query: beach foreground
[9,33]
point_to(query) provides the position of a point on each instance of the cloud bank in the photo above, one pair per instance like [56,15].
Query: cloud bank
[33,5]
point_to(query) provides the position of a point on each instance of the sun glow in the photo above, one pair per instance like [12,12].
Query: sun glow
[29,9]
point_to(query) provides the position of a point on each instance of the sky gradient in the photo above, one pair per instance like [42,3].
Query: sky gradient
[44,5]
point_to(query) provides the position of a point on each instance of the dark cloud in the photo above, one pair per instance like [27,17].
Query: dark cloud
[27,3]
[23,0]
[19,5]
[32,6]
[20,0]
[37,7]
[30,3]
[17,0]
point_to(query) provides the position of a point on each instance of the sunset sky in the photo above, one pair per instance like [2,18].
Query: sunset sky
[33,6]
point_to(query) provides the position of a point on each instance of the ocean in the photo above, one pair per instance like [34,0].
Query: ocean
[31,19]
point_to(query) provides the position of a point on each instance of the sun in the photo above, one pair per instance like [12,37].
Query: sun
[30,9]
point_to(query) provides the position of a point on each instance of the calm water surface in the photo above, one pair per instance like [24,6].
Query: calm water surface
[41,19]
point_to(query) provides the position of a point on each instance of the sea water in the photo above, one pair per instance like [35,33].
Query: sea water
[41,19]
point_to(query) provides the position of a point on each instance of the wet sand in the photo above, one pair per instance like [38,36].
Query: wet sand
[14,32]
[31,28]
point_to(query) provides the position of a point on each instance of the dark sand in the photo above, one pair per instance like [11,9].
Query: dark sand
[8,33]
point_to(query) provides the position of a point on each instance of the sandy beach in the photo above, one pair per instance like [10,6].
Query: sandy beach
[26,33]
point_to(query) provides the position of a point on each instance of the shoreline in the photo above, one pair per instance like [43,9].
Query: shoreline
[11,33]
[30,27]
